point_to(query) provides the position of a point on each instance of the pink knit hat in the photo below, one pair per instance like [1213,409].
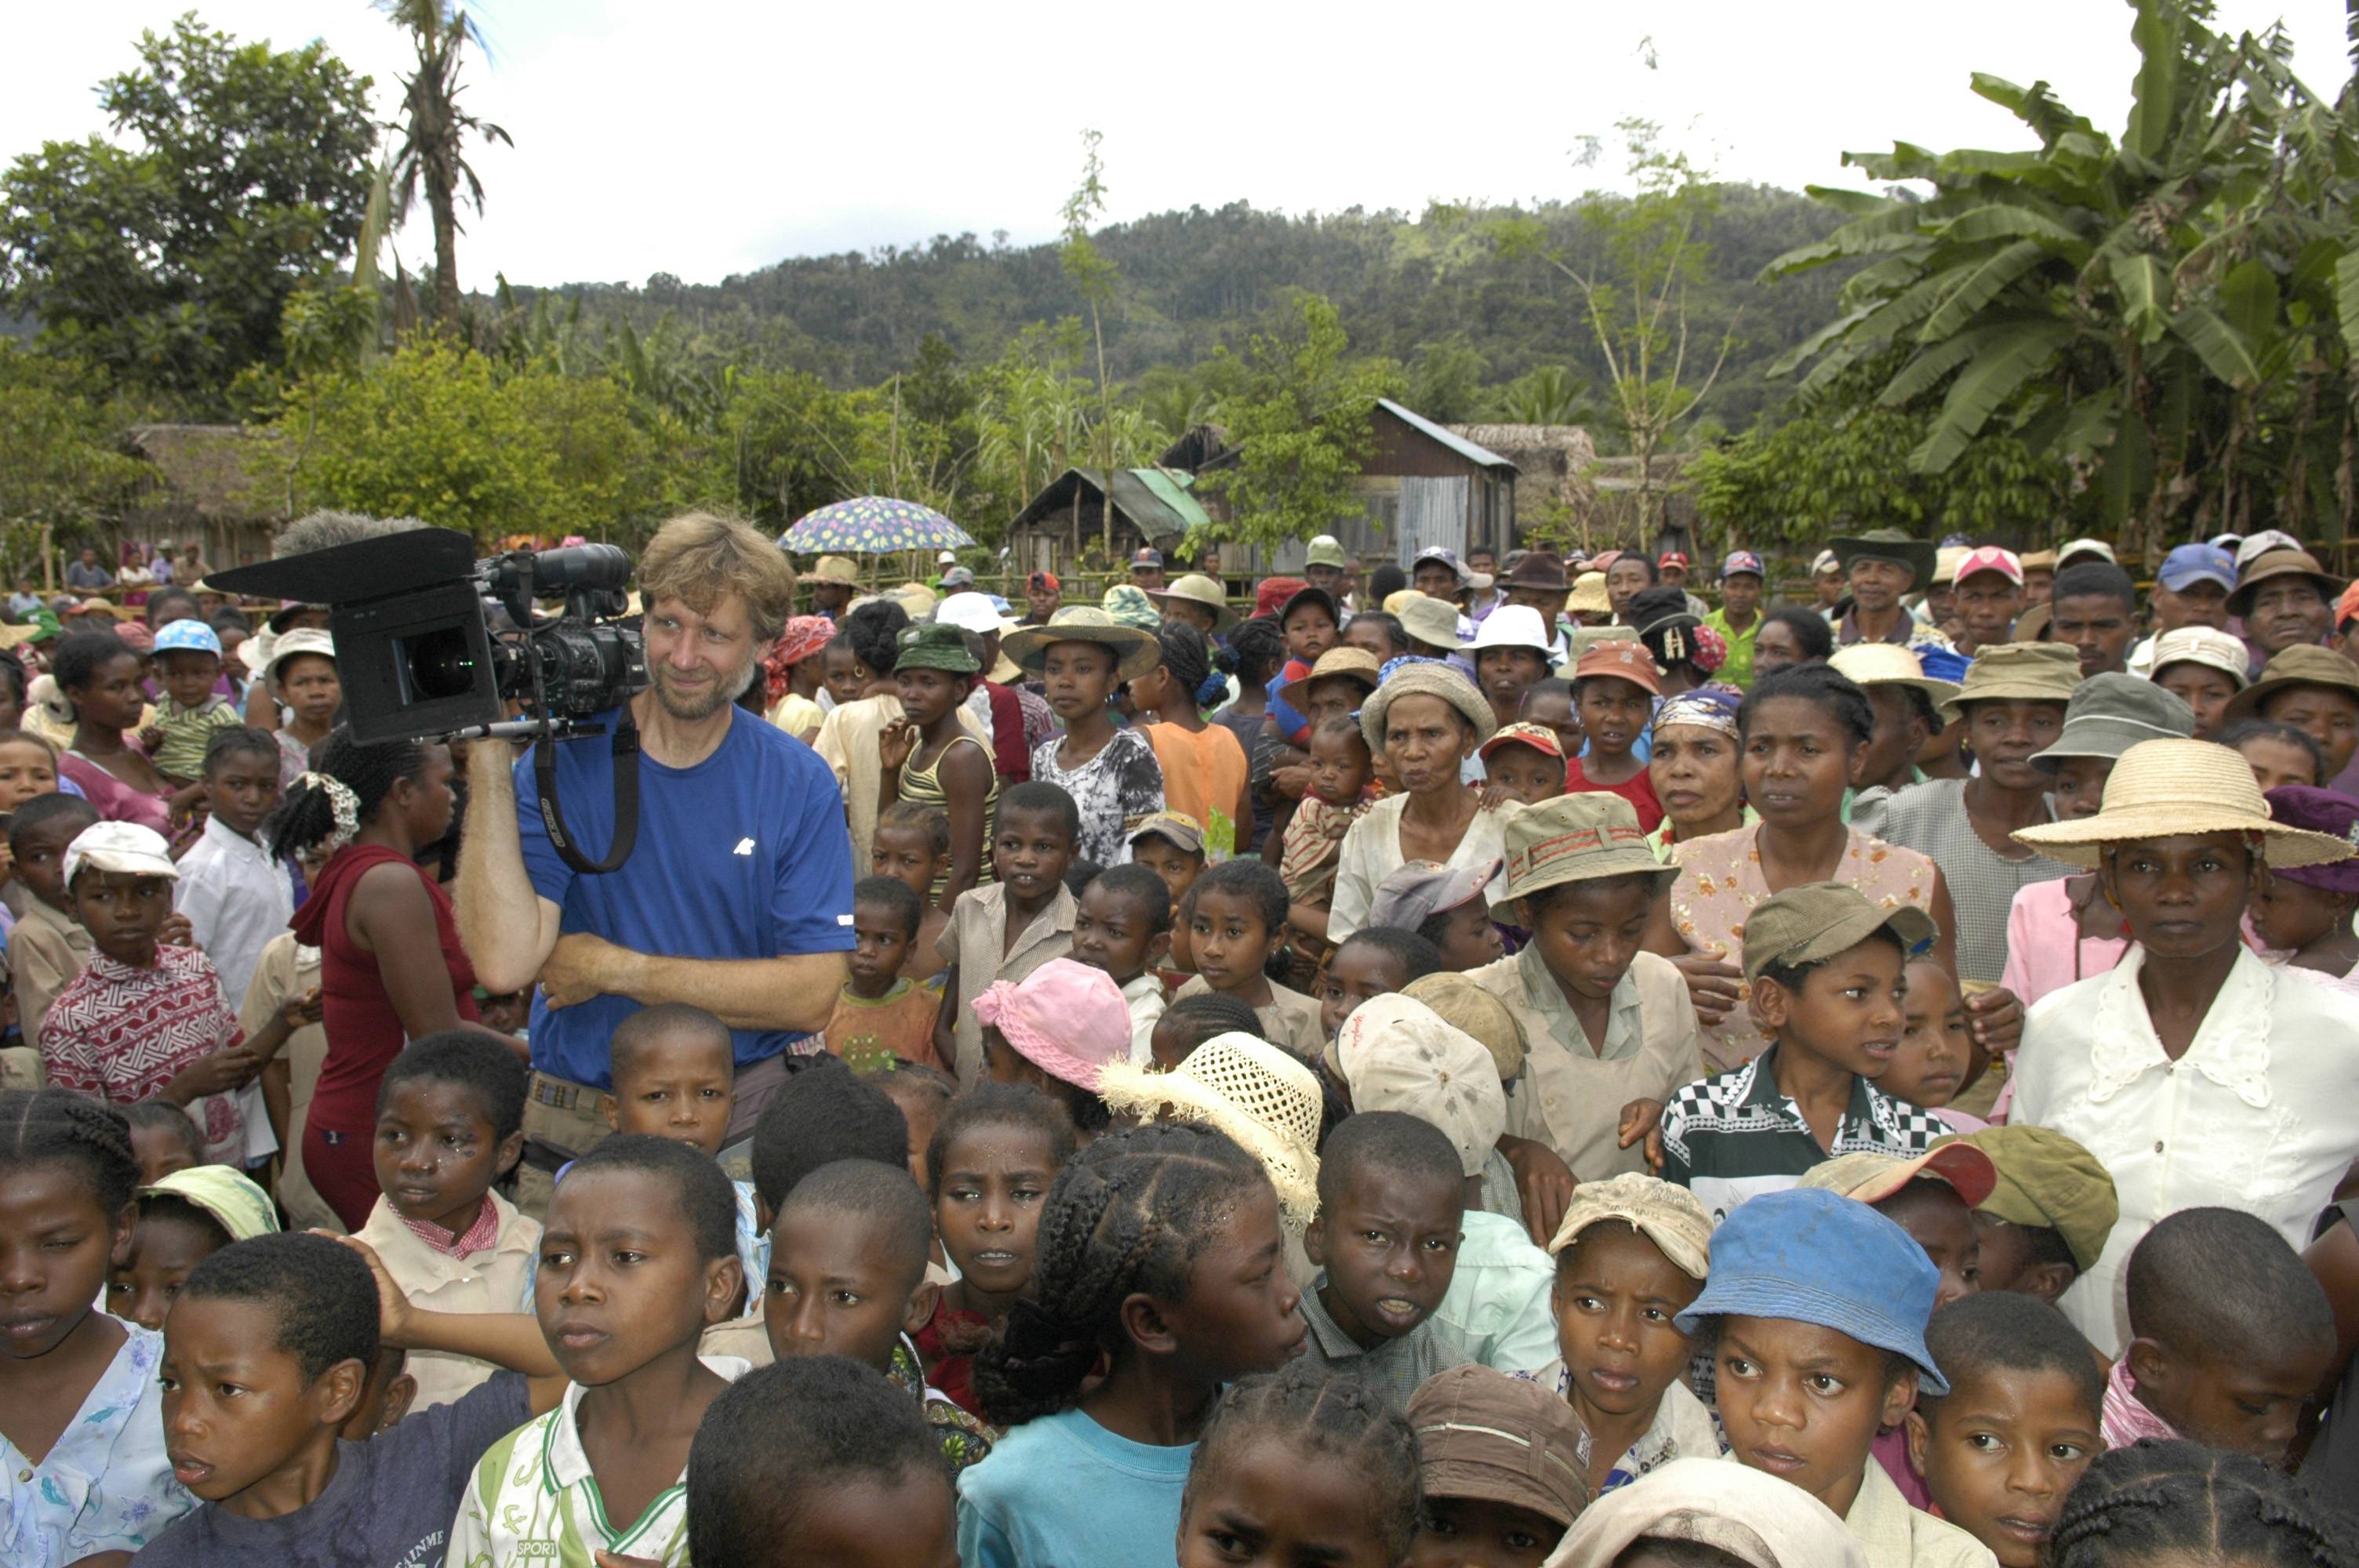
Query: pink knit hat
[1066,1019]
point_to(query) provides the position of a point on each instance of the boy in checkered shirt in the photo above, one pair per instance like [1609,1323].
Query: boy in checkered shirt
[1827,969]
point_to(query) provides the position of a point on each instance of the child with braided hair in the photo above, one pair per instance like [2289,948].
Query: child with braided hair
[84,1472]
[1205,770]
[392,968]
[2182,1502]
[1298,1465]
[1159,1250]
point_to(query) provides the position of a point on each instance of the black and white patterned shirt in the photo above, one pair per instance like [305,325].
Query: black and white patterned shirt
[1116,790]
[1735,1135]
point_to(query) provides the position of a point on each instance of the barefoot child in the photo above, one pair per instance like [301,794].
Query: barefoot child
[1010,928]
[1166,1252]
[1308,1468]
[2002,1450]
[819,1461]
[1054,1031]
[1122,925]
[450,1124]
[994,1159]
[81,1428]
[637,1257]
[880,1013]
[848,1277]
[913,845]
[291,1322]
[1238,927]
[1631,1256]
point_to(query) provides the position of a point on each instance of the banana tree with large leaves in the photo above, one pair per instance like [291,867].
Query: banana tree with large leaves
[2168,311]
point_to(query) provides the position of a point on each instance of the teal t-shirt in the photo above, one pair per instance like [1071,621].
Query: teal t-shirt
[1062,1491]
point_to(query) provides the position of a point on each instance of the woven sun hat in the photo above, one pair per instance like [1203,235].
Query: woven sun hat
[1396,1053]
[1351,663]
[1514,626]
[2110,713]
[1916,556]
[2320,811]
[1065,1018]
[1888,664]
[1433,622]
[1814,921]
[1429,680]
[1619,658]
[1589,596]
[2040,561]
[1666,1214]
[2163,789]
[1871,1175]
[186,636]
[1198,589]
[1750,1516]
[2017,672]
[242,1208]
[1464,1005]
[1136,652]
[2090,549]
[1483,1434]
[2205,645]
[2269,565]
[2304,664]
[1257,1094]
[1579,838]
[833,568]
[124,846]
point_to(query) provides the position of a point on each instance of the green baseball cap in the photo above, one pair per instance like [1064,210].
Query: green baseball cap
[937,647]
[1813,923]
[2046,1179]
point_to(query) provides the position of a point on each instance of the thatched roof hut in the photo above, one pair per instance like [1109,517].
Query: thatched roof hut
[201,487]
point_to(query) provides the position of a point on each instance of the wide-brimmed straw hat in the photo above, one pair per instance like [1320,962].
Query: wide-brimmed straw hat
[1136,652]
[1248,1089]
[1888,664]
[1589,596]
[1198,589]
[1431,679]
[2017,672]
[2162,789]
[1351,663]
[2304,664]
[833,568]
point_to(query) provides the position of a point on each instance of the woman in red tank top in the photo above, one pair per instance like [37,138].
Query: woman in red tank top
[392,969]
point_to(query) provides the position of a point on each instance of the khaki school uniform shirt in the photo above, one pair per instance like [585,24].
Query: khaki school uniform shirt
[1571,1093]
[498,1279]
[1290,1022]
[288,970]
[46,951]
[976,941]
[1897,1536]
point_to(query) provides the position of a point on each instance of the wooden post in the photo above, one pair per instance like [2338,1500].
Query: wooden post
[48,562]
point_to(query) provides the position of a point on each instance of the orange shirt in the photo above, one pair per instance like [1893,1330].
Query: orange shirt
[902,1024]
[1202,773]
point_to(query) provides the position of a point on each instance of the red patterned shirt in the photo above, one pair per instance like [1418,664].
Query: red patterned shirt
[119,1034]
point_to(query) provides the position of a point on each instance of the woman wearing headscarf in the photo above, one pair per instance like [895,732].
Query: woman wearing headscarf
[790,674]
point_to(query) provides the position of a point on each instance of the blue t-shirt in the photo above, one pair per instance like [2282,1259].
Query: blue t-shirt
[743,856]
[1063,1490]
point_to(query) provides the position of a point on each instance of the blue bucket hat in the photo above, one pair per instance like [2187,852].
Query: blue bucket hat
[1812,1255]
[187,637]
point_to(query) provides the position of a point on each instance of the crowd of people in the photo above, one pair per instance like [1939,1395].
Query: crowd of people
[1474,1062]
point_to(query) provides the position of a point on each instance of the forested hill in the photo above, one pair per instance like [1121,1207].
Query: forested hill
[1433,291]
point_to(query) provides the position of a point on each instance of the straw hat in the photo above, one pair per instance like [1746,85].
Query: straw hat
[2304,664]
[1431,679]
[2161,789]
[1589,596]
[1342,659]
[1136,652]
[1887,663]
[833,568]
[1430,621]
[1248,1089]
[2017,672]
[1198,589]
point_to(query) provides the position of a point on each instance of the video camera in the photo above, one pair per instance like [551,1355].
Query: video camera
[433,644]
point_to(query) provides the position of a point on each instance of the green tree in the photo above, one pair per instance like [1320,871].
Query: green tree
[1093,277]
[434,132]
[1634,263]
[166,257]
[2171,313]
[1301,424]
[61,465]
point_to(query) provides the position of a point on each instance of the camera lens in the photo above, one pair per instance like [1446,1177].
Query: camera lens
[438,664]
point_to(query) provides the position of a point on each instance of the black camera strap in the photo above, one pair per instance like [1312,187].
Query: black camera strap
[625,746]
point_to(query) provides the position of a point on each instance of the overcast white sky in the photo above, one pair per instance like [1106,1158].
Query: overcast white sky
[705,137]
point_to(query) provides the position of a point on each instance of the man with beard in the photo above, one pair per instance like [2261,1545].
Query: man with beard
[737,896]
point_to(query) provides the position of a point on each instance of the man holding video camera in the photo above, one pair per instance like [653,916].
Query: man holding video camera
[737,897]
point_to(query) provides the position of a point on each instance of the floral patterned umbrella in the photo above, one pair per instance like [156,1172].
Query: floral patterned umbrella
[874,525]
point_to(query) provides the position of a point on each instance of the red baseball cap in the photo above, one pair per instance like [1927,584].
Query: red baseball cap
[1671,558]
[1990,559]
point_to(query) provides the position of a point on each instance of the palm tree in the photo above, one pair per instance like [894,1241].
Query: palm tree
[434,132]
